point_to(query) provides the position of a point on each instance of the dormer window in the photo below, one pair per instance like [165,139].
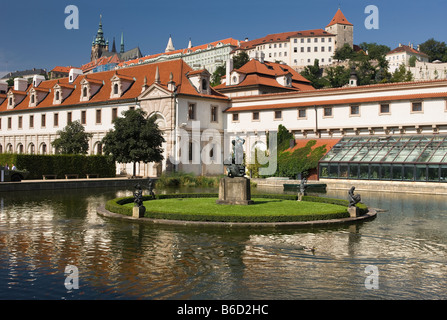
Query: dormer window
[120,84]
[84,92]
[204,84]
[10,102]
[61,92]
[58,96]
[33,99]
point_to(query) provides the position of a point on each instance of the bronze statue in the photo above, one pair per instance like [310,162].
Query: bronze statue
[236,168]
[138,196]
[353,198]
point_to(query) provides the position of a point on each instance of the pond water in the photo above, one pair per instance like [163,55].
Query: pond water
[42,233]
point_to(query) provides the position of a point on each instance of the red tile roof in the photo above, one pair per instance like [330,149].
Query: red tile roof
[283,37]
[407,49]
[339,18]
[178,68]
[258,73]
[62,69]
[228,41]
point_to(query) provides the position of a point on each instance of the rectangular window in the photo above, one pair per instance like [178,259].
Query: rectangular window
[255,116]
[114,113]
[0,123]
[308,49]
[69,117]
[315,49]
[9,123]
[214,117]
[327,111]
[416,106]
[84,117]
[20,122]
[56,119]
[302,113]
[31,121]
[192,111]
[295,49]
[235,116]
[355,110]
[384,108]
[302,49]
[43,121]
[278,115]
[98,116]
[322,49]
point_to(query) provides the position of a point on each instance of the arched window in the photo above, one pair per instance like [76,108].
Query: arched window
[84,92]
[32,98]
[58,95]
[115,88]
[204,84]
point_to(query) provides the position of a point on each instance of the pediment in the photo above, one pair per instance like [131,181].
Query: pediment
[155,91]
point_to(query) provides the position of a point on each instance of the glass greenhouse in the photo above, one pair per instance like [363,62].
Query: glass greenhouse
[404,158]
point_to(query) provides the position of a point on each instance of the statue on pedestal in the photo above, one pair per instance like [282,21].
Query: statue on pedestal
[353,198]
[236,168]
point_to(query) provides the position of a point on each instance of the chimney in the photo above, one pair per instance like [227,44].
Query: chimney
[73,74]
[20,84]
[229,68]
[246,39]
[37,79]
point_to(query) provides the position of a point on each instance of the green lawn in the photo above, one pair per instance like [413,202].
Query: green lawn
[263,210]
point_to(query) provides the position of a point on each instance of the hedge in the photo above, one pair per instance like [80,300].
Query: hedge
[117,206]
[39,165]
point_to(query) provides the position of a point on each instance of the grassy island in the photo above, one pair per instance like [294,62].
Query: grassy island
[266,208]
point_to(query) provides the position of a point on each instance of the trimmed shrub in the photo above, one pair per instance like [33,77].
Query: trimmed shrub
[62,164]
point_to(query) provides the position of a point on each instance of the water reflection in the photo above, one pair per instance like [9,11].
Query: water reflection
[41,233]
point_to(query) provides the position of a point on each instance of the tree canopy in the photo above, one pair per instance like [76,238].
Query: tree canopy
[135,138]
[72,139]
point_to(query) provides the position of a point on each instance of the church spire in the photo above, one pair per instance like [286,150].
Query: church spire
[122,43]
[100,34]
[170,46]
[113,45]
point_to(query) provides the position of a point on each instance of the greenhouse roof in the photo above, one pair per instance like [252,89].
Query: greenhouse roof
[390,149]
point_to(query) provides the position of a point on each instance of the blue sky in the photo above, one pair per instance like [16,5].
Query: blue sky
[34,35]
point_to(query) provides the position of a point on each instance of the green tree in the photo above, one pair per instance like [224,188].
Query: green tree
[72,139]
[402,74]
[375,51]
[283,138]
[135,138]
[412,61]
[240,59]
[337,76]
[217,75]
[313,73]
[435,50]
[290,164]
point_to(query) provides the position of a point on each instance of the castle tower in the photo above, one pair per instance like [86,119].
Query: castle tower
[342,28]
[99,44]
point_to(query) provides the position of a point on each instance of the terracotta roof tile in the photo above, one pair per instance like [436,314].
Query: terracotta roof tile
[178,68]
[408,49]
[339,18]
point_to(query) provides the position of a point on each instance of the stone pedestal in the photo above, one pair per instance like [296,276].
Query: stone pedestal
[138,212]
[353,212]
[234,191]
